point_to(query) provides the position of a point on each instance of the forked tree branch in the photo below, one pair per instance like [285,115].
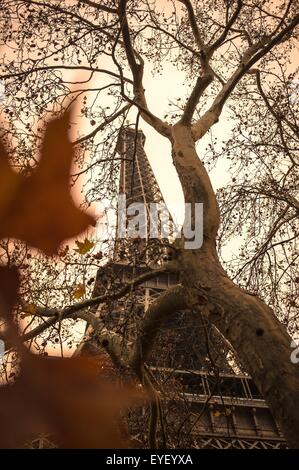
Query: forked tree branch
[103,124]
[165,306]
[193,23]
[251,56]
[99,6]
[137,71]
[227,28]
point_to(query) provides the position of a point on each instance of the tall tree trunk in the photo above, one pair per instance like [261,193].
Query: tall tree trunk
[260,340]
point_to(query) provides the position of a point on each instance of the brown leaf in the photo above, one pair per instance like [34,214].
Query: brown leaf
[84,247]
[79,291]
[98,255]
[66,398]
[39,208]
[63,251]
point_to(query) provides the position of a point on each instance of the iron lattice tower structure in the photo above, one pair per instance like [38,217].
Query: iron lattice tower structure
[209,408]
[139,186]
[137,179]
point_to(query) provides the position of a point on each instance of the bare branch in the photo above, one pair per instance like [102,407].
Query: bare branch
[205,54]
[279,118]
[137,72]
[112,342]
[252,55]
[64,67]
[99,6]
[67,312]
[227,28]
[193,22]
[103,124]
[201,85]
[66,12]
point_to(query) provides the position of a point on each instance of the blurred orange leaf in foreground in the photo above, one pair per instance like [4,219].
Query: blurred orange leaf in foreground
[39,208]
[73,400]
[67,399]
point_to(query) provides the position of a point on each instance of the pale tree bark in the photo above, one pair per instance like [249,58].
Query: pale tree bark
[261,341]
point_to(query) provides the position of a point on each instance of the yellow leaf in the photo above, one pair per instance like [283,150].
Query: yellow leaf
[30,309]
[216,414]
[84,247]
[79,291]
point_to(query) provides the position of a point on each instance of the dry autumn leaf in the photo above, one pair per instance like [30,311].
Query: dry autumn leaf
[98,255]
[70,399]
[84,247]
[63,251]
[39,209]
[79,291]
[67,399]
[30,309]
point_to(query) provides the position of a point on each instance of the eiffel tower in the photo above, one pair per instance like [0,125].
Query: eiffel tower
[206,404]
[139,186]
